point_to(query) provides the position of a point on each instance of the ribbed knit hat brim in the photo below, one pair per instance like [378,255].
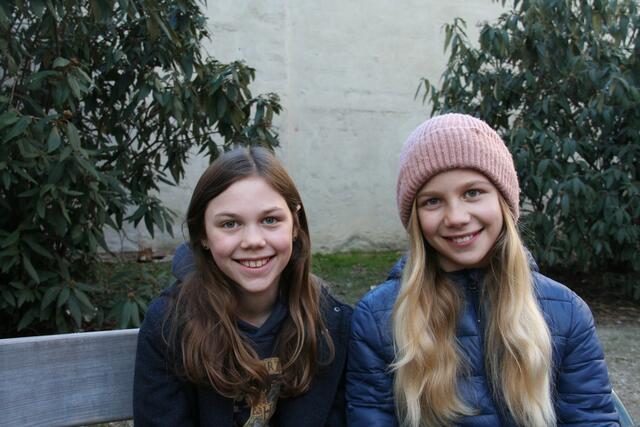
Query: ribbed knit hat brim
[453,141]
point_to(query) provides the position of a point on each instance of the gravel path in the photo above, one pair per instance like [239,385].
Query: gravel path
[621,344]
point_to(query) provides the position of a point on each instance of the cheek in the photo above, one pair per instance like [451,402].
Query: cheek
[498,229]
[492,215]
[282,241]
[428,224]
[500,221]
[220,245]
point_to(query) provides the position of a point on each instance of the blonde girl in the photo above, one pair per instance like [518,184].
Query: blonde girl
[248,337]
[466,331]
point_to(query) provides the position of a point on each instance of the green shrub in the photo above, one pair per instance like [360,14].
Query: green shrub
[560,81]
[100,101]
[125,290]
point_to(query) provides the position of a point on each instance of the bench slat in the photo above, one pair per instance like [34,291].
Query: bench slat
[68,379]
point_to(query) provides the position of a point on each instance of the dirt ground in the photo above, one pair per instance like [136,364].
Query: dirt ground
[622,352]
[619,330]
[618,326]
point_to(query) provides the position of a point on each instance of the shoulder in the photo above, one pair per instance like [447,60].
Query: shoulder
[548,289]
[155,321]
[565,312]
[154,336]
[371,321]
[335,313]
[183,263]
[381,298]
[328,300]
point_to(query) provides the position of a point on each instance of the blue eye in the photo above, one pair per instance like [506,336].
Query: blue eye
[472,193]
[270,220]
[431,201]
[229,224]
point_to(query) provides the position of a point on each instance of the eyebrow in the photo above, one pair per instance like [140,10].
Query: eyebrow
[476,182]
[267,211]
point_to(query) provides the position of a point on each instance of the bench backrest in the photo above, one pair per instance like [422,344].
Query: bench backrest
[69,379]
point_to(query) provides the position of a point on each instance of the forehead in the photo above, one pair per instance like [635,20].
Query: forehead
[250,194]
[451,179]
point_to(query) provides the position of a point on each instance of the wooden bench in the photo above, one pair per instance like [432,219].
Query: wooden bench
[78,379]
[69,379]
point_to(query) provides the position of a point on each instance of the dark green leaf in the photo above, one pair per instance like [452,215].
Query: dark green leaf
[37,6]
[49,296]
[26,262]
[37,248]
[53,141]
[135,315]
[17,129]
[4,20]
[8,297]
[83,299]
[66,152]
[8,119]
[11,239]
[6,180]
[125,315]
[74,309]
[26,319]
[63,296]
[60,63]
[73,135]
[74,86]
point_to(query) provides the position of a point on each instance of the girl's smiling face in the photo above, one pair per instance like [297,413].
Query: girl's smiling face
[460,217]
[249,232]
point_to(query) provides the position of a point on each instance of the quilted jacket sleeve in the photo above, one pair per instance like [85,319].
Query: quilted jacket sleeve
[160,398]
[584,392]
[369,384]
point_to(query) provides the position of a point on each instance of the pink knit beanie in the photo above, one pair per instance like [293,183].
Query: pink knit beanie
[453,141]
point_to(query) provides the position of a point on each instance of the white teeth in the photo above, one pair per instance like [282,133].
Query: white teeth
[462,239]
[257,263]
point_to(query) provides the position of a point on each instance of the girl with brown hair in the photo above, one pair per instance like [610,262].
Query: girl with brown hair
[250,337]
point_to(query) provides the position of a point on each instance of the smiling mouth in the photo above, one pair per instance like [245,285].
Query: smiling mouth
[254,263]
[463,239]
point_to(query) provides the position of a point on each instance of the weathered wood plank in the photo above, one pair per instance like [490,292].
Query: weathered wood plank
[68,379]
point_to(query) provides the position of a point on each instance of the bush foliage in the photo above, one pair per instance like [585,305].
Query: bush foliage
[100,101]
[560,81]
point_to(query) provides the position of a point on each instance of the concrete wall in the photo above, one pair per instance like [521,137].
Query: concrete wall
[346,72]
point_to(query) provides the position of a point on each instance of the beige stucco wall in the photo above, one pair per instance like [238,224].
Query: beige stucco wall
[346,72]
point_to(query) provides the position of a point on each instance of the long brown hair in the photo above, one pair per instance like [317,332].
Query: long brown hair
[212,350]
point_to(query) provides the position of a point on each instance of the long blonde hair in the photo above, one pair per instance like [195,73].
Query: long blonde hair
[428,361]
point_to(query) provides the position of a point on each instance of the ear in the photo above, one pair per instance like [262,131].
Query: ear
[204,245]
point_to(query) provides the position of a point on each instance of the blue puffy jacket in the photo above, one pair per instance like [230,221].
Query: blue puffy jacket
[582,390]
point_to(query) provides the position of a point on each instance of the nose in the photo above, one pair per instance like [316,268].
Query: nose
[252,237]
[456,215]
